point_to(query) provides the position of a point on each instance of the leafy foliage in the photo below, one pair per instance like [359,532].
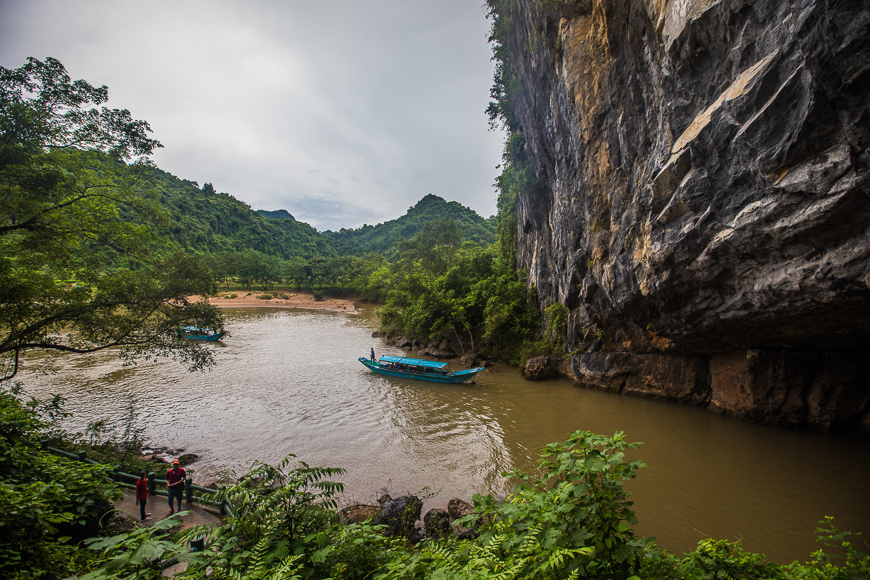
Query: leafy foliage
[570,519]
[440,290]
[46,503]
[516,180]
[212,223]
[139,553]
[81,265]
[276,509]
[381,239]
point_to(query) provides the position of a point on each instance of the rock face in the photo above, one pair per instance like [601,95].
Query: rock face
[437,523]
[542,367]
[705,199]
[400,515]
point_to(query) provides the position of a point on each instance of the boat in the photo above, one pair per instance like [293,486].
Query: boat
[199,333]
[417,368]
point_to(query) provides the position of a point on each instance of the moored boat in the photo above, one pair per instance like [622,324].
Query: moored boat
[416,368]
[198,333]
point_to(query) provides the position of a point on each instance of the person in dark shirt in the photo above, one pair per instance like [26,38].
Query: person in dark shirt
[142,495]
[175,484]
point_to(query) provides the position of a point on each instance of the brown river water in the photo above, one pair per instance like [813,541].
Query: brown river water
[288,381]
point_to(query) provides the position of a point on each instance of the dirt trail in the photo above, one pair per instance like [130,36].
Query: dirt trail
[158,507]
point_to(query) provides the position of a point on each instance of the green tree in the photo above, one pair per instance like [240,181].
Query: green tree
[381,238]
[222,267]
[572,520]
[433,247]
[317,271]
[293,270]
[253,267]
[45,501]
[342,270]
[81,267]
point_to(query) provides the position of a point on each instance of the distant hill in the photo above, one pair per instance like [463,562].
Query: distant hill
[379,239]
[276,214]
[216,223]
[207,222]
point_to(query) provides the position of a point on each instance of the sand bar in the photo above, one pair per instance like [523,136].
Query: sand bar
[281,299]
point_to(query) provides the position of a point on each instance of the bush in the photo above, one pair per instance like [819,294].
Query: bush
[45,501]
[318,294]
[572,519]
[265,296]
[726,560]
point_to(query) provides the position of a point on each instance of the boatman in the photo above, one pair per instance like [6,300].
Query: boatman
[175,484]
[373,355]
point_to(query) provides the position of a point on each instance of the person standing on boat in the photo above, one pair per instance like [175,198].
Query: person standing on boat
[142,496]
[373,355]
[175,484]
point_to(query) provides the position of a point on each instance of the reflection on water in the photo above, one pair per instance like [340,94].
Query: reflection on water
[289,382]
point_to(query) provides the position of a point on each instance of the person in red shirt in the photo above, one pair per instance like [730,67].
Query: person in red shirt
[175,484]
[142,495]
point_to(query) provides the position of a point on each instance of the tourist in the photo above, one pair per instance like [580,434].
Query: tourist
[142,496]
[175,484]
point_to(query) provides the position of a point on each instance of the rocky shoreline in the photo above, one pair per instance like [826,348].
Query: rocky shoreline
[824,392]
[401,516]
[438,349]
[166,455]
[816,391]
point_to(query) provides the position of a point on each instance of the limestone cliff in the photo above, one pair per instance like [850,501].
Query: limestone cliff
[705,208]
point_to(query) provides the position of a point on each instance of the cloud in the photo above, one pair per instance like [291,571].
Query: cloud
[341,112]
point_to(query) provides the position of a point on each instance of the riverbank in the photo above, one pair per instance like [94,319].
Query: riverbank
[287,381]
[281,299]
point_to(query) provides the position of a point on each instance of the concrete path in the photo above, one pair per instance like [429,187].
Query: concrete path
[158,507]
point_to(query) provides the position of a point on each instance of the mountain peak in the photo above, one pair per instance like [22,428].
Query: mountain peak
[276,214]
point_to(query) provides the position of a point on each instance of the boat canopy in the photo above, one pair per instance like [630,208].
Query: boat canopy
[414,362]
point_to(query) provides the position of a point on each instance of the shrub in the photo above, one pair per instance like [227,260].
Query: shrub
[265,296]
[45,501]
[572,520]
[278,513]
[726,560]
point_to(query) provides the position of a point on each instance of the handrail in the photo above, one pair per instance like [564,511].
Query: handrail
[128,480]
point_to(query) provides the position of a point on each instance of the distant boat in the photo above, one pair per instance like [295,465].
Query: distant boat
[416,368]
[198,333]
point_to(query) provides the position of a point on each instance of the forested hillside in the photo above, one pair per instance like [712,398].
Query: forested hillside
[381,239]
[275,214]
[207,222]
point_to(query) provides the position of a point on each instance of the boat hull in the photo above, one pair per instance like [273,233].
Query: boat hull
[204,337]
[196,333]
[432,377]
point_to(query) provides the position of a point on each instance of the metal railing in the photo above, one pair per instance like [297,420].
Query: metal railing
[192,493]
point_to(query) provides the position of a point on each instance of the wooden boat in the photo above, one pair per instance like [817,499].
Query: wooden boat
[197,333]
[416,368]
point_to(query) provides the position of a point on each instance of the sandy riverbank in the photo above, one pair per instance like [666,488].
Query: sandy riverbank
[282,299]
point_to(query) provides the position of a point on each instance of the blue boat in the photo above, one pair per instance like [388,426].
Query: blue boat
[198,333]
[417,368]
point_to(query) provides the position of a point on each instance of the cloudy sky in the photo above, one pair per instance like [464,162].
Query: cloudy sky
[342,112]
